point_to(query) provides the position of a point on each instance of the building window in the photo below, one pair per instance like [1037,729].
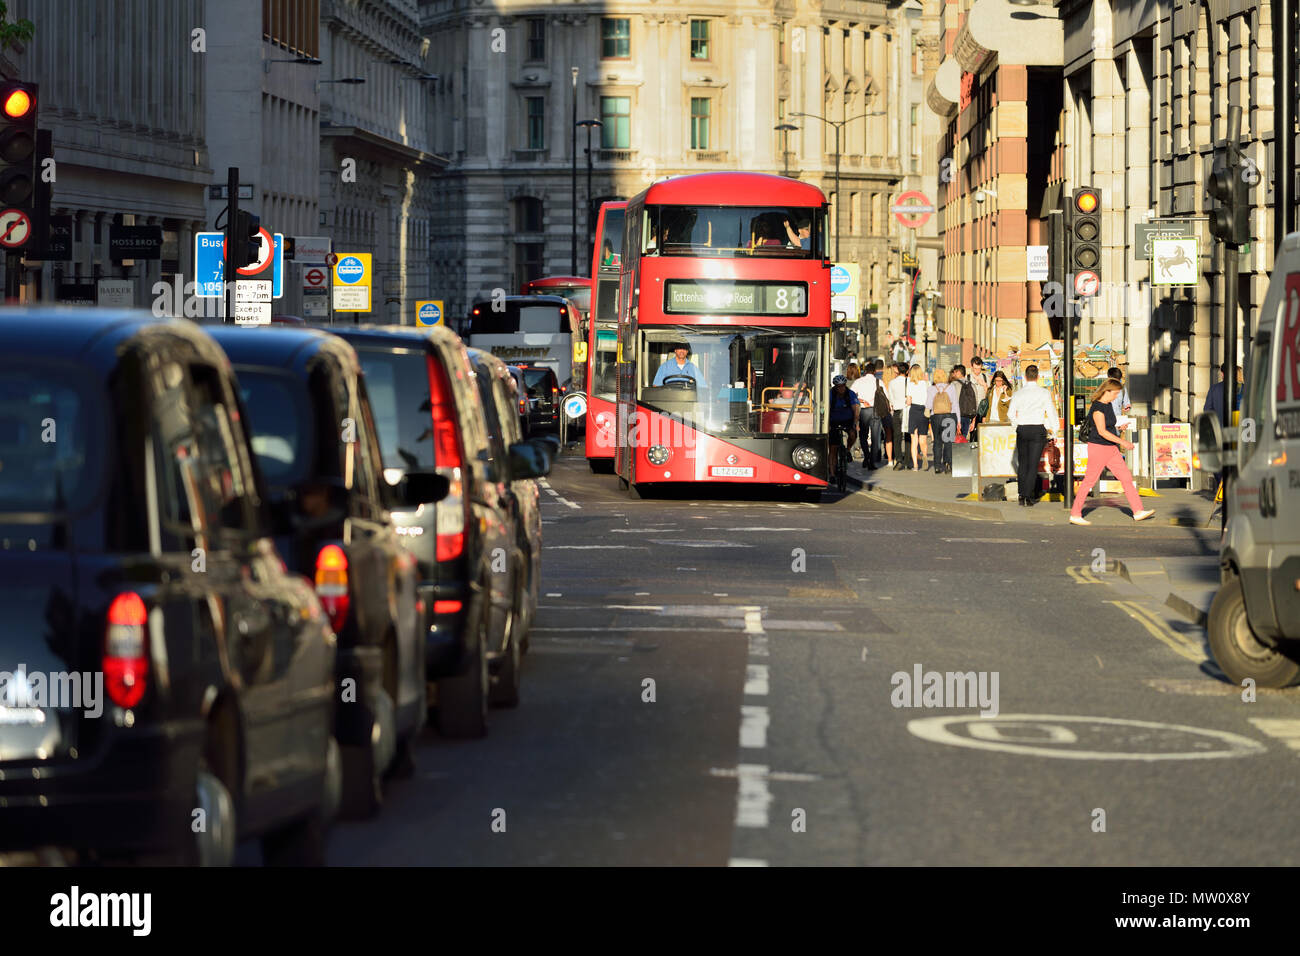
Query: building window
[536,38]
[536,122]
[855,213]
[780,44]
[615,38]
[528,214]
[529,262]
[699,122]
[699,39]
[616,115]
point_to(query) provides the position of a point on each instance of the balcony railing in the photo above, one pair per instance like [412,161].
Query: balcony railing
[616,155]
[529,155]
[709,155]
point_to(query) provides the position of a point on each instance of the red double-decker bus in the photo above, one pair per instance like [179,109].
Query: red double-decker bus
[577,288]
[602,336]
[724,333]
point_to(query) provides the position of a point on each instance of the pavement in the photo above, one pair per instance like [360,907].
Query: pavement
[931,492]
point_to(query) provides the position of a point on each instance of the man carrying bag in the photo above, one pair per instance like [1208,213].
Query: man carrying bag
[1033,413]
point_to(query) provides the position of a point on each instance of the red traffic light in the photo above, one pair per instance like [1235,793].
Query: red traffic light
[18,103]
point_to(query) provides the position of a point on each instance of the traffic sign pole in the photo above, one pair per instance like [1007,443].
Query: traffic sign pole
[228,276]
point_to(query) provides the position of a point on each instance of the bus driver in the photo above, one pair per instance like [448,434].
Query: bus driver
[679,367]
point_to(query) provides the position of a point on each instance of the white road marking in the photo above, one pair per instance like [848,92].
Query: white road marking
[935,730]
[758,645]
[753,620]
[1286,730]
[781,776]
[606,630]
[593,547]
[755,529]
[744,861]
[803,625]
[986,540]
[554,594]
[752,796]
[753,726]
[756,680]
[546,485]
[700,544]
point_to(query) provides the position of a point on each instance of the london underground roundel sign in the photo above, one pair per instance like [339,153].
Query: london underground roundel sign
[913,209]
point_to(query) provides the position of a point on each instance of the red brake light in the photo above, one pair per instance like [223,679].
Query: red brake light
[446,607]
[332,584]
[446,434]
[126,650]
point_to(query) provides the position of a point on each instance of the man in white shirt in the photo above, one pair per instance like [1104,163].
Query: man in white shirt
[869,427]
[1033,413]
[897,395]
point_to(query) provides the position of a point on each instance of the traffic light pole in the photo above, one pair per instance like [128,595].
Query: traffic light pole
[228,274]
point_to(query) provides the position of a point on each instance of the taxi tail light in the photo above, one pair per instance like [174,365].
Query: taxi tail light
[332,584]
[126,650]
[453,511]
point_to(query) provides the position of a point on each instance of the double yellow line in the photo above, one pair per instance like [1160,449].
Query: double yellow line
[1083,575]
[1161,631]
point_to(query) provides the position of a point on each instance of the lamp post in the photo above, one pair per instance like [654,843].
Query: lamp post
[786,129]
[573,185]
[589,124]
[838,125]
[930,335]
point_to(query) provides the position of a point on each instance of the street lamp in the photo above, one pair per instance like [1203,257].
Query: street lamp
[589,124]
[786,129]
[930,334]
[573,183]
[839,125]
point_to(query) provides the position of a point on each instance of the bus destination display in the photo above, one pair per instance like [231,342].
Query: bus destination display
[735,298]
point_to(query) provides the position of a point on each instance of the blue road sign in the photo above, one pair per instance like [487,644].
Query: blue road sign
[209,264]
[351,269]
[429,314]
[839,280]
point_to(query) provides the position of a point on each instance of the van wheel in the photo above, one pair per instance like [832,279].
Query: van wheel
[505,690]
[214,845]
[1236,649]
[463,700]
[302,843]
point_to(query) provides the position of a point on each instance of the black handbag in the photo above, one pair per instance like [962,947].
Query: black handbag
[1085,429]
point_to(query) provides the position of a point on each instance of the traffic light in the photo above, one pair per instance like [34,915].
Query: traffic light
[18,145]
[1230,220]
[1085,231]
[247,240]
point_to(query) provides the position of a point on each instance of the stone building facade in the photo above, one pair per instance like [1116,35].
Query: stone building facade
[123,92]
[679,89]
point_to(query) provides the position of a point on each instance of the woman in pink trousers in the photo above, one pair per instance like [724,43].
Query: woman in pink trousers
[1106,451]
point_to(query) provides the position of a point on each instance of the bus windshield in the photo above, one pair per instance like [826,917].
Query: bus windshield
[782,232]
[736,382]
[611,245]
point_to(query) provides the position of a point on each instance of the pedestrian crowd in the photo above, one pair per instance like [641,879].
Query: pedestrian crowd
[908,423]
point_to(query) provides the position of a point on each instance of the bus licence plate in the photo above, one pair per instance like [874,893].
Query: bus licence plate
[719,471]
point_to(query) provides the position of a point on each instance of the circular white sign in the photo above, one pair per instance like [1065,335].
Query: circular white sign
[575,405]
[1072,737]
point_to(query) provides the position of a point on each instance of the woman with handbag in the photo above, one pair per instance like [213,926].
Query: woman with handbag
[997,401]
[1105,451]
[917,426]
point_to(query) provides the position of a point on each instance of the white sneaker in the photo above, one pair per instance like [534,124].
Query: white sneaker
[1143,515]
[1074,520]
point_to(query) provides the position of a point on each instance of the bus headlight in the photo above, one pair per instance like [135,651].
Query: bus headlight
[805,457]
[658,455]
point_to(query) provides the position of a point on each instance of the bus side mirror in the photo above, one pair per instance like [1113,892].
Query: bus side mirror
[1211,455]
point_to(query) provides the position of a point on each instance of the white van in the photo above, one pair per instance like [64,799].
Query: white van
[1254,622]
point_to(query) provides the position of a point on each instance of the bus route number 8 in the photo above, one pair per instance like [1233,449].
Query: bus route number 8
[789,300]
